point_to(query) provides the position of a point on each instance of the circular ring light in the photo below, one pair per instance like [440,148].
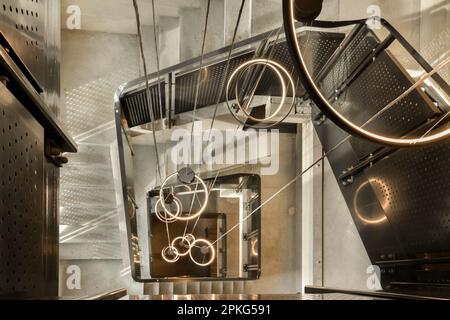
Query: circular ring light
[321,101]
[210,247]
[170,250]
[185,243]
[279,70]
[245,67]
[165,218]
[179,217]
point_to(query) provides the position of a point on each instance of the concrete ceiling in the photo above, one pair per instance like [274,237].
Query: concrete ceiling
[117,16]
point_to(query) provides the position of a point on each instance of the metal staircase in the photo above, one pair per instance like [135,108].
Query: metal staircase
[89,215]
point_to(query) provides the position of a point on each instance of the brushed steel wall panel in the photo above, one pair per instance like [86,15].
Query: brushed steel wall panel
[22,192]
[23,24]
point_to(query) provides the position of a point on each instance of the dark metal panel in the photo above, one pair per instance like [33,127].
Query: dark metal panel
[400,204]
[136,109]
[382,82]
[350,57]
[51,229]
[415,193]
[213,78]
[379,239]
[22,221]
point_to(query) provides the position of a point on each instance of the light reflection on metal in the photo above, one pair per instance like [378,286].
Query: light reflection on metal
[323,103]
[211,251]
[279,70]
[384,204]
[254,247]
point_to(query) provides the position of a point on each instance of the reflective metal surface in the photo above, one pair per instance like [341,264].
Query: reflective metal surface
[23,238]
[23,24]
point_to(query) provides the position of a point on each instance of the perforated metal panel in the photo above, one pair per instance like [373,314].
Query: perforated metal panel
[23,25]
[383,81]
[22,221]
[321,44]
[375,87]
[350,58]
[210,84]
[416,196]
[317,48]
[136,109]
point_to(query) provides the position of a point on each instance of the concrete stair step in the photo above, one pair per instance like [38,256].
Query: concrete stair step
[239,287]
[93,154]
[86,176]
[217,287]
[151,289]
[180,288]
[74,216]
[193,288]
[90,234]
[166,288]
[205,287]
[228,287]
[88,197]
[90,251]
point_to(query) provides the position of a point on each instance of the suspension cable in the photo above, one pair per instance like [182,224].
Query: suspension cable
[147,87]
[147,84]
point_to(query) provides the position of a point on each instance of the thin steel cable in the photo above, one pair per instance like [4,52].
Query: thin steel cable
[147,83]
[158,75]
[227,68]
[199,77]
[198,218]
[226,71]
[436,124]
[299,175]
[147,87]
[158,65]
[197,94]
[387,107]
[194,195]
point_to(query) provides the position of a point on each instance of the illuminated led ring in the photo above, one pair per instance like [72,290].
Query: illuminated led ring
[244,68]
[193,216]
[168,219]
[174,250]
[279,69]
[186,240]
[213,252]
[329,111]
